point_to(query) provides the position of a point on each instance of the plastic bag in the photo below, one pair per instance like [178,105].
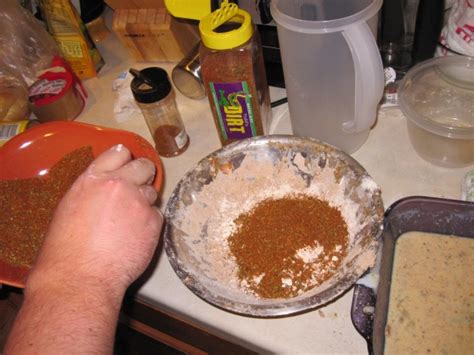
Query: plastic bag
[25,45]
[13,97]
[458,33]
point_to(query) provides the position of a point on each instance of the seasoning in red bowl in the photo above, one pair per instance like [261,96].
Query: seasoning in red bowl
[28,205]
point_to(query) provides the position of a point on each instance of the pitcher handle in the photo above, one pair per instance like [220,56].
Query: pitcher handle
[369,77]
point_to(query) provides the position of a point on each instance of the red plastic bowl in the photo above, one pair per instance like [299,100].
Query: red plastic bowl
[33,152]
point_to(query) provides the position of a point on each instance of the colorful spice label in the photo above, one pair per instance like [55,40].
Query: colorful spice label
[234,108]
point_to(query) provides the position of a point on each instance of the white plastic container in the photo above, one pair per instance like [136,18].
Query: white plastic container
[437,98]
[332,67]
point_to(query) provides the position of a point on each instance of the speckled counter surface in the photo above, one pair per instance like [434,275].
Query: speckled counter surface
[387,156]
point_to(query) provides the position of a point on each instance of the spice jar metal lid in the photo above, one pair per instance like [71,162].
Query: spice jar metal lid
[186,75]
[151,85]
[227,13]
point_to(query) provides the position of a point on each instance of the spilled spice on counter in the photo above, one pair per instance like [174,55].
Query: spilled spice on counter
[27,207]
[285,247]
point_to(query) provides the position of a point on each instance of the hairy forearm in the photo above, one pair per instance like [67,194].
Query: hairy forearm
[65,319]
[102,236]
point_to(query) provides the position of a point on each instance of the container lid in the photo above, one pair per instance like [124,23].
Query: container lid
[438,95]
[316,16]
[188,82]
[194,10]
[228,13]
[150,85]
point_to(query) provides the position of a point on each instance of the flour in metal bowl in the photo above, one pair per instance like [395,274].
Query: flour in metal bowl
[214,202]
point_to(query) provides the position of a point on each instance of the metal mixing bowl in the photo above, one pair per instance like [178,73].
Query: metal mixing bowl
[188,238]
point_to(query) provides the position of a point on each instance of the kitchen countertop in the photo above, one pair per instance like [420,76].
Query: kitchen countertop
[387,155]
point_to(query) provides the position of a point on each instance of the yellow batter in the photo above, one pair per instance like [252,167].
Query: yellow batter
[431,309]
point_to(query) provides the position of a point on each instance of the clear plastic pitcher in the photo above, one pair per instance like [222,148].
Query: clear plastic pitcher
[332,66]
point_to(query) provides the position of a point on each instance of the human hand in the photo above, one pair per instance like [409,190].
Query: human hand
[102,236]
[105,229]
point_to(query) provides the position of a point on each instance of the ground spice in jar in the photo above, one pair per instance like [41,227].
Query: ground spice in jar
[27,207]
[285,247]
[155,96]
[170,140]
[235,67]
[233,73]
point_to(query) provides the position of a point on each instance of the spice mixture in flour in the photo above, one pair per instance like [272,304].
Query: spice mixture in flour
[284,247]
[266,229]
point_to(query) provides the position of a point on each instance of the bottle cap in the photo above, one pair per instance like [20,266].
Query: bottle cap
[228,13]
[194,10]
[156,86]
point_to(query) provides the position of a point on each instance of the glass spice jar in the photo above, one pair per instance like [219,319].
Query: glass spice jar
[155,96]
[233,73]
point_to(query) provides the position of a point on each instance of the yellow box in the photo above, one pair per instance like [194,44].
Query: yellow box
[69,31]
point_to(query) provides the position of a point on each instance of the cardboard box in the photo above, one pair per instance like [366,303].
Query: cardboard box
[67,28]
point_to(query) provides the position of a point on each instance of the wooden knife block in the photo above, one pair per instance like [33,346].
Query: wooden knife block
[154,35]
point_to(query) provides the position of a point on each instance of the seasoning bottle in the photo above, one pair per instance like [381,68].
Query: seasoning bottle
[10,129]
[155,96]
[233,73]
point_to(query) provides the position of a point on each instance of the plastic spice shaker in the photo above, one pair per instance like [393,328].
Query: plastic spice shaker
[233,73]
[155,96]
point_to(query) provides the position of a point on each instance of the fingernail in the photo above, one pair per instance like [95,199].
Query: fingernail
[157,209]
[118,147]
[152,165]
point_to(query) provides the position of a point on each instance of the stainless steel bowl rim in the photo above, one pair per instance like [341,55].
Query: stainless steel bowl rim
[268,308]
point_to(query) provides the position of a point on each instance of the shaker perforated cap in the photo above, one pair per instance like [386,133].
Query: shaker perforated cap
[151,85]
[228,13]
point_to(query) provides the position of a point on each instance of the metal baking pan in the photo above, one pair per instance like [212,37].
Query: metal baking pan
[424,214]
